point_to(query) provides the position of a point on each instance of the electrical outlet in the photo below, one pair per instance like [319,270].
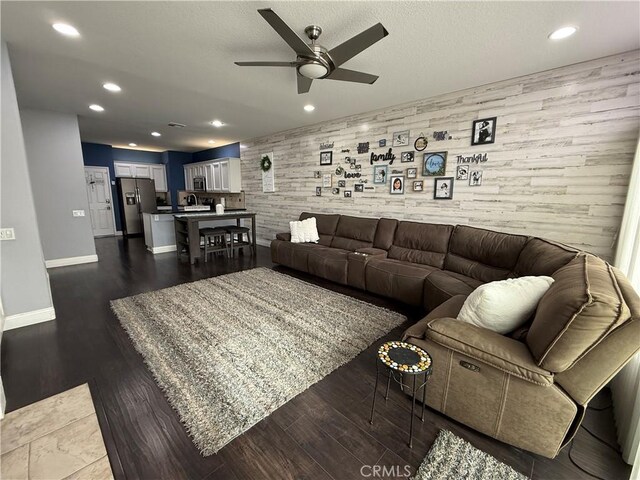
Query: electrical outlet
[78,213]
[7,234]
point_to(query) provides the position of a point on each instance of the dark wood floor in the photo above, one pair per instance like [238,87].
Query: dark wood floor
[323,433]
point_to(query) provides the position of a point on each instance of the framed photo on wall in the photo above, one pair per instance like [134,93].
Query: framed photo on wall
[401,139]
[326,158]
[326,180]
[397,184]
[418,185]
[347,194]
[318,191]
[462,172]
[475,179]
[484,131]
[434,164]
[406,157]
[342,183]
[412,173]
[443,188]
[380,174]
[359,187]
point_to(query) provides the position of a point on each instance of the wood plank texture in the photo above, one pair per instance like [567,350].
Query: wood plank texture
[559,167]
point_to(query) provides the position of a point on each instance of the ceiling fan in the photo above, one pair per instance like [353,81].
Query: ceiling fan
[314,61]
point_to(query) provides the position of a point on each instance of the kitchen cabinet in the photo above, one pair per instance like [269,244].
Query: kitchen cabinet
[158,174]
[222,175]
[143,170]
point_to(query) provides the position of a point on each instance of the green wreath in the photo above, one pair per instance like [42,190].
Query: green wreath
[265,163]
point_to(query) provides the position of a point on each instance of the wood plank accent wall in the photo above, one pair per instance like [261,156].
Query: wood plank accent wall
[559,167]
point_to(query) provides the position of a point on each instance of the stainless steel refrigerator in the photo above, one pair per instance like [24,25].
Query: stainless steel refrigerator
[137,196]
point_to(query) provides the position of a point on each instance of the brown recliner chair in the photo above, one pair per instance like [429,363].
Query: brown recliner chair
[533,394]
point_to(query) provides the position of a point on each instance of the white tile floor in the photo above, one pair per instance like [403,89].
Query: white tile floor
[54,439]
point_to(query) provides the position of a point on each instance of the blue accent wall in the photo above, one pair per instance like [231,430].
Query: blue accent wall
[139,156]
[232,150]
[175,162]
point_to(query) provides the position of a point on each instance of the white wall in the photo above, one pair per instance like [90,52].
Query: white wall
[56,168]
[559,167]
[24,283]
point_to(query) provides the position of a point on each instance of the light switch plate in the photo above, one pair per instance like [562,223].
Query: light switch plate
[7,234]
[78,213]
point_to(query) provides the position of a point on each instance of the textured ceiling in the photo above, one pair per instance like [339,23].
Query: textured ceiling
[174,60]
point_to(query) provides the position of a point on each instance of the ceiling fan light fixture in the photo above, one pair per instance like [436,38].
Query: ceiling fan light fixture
[313,70]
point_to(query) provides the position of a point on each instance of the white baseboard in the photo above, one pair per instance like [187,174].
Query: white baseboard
[29,318]
[163,249]
[64,262]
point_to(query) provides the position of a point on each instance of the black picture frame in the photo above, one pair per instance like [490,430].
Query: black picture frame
[326,158]
[407,157]
[483,131]
[359,187]
[438,192]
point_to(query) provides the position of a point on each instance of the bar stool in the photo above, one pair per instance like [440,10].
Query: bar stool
[215,240]
[238,242]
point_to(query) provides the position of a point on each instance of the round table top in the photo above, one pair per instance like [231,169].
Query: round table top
[404,357]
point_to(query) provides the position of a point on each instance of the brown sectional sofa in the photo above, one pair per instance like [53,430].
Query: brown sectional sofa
[529,390]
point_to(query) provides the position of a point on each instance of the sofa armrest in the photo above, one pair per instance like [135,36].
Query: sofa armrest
[449,309]
[370,251]
[284,236]
[503,353]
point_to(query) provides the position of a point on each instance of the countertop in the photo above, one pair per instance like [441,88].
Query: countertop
[175,211]
[212,213]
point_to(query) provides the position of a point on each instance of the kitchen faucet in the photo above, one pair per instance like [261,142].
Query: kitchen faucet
[194,197]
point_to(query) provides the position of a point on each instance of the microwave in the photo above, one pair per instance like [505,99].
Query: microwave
[199,184]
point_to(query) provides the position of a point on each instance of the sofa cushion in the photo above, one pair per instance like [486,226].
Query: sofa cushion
[293,255]
[304,231]
[353,233]
[483,254]
[329,263]
[403,281]
[424,243]
[583,305]
[384,233]
[326,223]
[284,236]
[442,285]
[505,305]
[542,257]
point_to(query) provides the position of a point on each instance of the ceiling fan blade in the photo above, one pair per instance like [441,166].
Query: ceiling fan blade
[304,83]
[288,35]
[352,47]
[266,64]
[352,76]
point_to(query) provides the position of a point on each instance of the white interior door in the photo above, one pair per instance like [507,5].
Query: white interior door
[100,202]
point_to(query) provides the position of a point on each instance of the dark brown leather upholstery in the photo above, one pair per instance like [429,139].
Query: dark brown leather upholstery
[326,223]
[285,236]
[542,257]
[292,255]
[482,254]
[424,243]
[354,233]
[358,263]
[329,263]
[385,233]
[442,285]
[403,281]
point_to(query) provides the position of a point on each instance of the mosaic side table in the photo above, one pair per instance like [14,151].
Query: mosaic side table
[400,359]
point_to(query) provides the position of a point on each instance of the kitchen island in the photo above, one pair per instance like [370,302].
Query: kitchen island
[187,229]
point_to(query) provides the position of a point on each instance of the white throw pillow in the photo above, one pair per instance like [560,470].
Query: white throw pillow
[304,231]
[505,305]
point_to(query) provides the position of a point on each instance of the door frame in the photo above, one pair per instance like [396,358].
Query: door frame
[113,206]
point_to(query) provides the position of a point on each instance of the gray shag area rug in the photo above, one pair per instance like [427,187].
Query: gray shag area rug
[229,350]
[452,457]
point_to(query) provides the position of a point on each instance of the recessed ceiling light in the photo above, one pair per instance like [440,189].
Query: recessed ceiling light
[156,134]
[96,108]
[217,123]
[112,87]
[212,141]
[65,29]
[309,108]
[133,144]
[563,32]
